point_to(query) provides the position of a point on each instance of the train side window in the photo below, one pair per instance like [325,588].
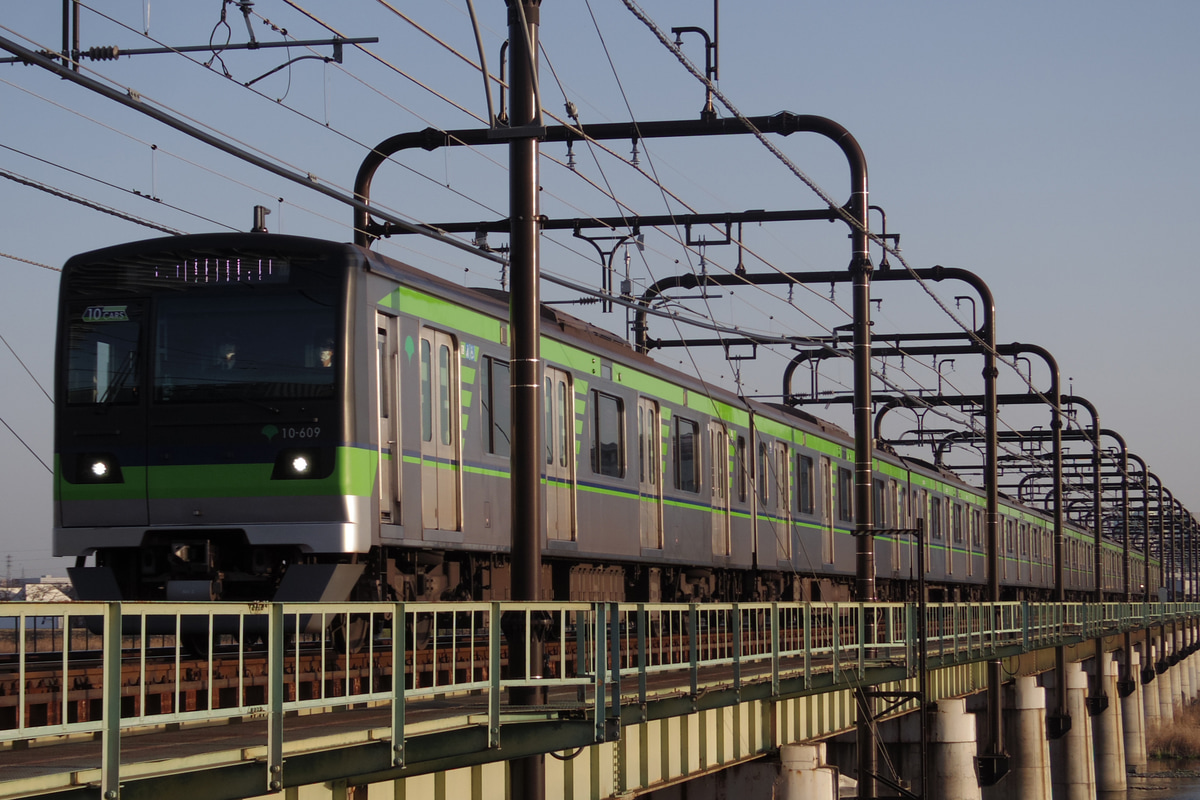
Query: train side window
[426,390]
[608,435]
[687,455]
[936,518]
[958,524]
[648,442]
[804,477]
[977,528]
[783,480]
[496,402]
[845,494]
[743,470]
[877,501]
[764,473]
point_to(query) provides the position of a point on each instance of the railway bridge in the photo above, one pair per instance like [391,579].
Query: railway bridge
[226,700]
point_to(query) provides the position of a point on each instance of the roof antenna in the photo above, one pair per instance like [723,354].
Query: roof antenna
[260,219]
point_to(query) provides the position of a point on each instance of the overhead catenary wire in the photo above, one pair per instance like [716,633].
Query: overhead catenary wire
[632,6]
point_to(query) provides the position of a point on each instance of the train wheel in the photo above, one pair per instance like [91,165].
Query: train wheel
[352,634]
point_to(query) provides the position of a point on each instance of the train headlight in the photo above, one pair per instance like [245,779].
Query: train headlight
[98,468]
[301,464]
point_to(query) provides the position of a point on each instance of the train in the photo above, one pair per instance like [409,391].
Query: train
[261,417]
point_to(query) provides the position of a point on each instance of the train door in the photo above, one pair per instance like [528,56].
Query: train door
[718,444]
[827,510]
[559,438]
[441,472]
[650,473]
[387,397]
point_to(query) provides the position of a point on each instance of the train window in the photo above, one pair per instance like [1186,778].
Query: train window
[564,416]
[1008,536]
[608,435]
[977,528]
[444,417]
[936,518]
[687,455]
[804,477]
[496,404]
[1024,539]
[959,538]
[718,447]
[648,440]
[426,390]
[845,494]
[548,404]
[102,362]
[782,478]
[764,471]
[902,507]
[743,469]
[877,501]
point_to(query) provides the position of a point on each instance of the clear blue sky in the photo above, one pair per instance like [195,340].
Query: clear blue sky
[1050,148]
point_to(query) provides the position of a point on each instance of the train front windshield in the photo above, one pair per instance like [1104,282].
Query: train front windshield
[212,329]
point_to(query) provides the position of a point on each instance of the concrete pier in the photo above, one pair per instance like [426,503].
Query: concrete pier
[1150,701]
[1166,697]
[1133,718]
[1176,673]
[953,776]
[1029,751]
[804,775]
[1072,761]
[1109,739]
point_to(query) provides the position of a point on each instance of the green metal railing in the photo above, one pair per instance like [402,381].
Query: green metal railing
[260,661]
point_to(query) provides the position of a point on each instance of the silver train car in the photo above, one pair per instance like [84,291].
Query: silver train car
[257,417]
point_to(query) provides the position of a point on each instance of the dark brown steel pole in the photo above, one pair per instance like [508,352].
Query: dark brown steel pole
[864,587]
[528,775]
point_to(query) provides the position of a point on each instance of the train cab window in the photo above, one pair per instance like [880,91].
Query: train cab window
[496,403]
[102,354]
[687,455]
[845,494]
[608,435]
[804,480]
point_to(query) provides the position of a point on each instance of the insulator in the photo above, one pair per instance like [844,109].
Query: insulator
[107,53]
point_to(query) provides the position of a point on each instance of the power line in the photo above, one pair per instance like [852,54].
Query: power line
[87,203]
[27,261]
